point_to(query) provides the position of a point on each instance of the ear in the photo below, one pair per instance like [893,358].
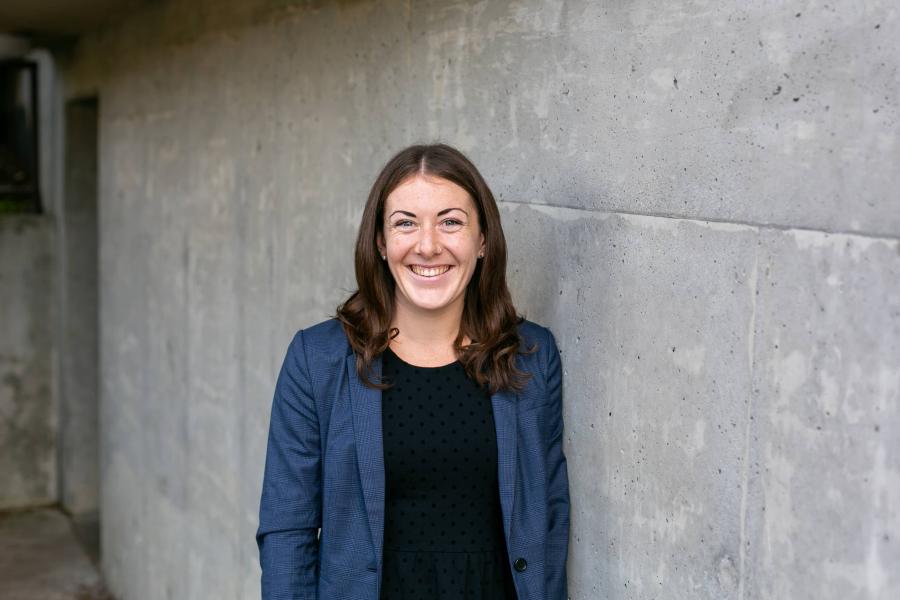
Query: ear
[481,247]
[379,243]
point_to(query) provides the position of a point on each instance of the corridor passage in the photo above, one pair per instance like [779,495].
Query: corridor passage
[41,558]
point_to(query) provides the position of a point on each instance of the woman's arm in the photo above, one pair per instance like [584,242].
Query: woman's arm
[290,511]
[557,481]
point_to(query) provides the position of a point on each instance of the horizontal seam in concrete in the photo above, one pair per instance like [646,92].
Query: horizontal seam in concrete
[748,224]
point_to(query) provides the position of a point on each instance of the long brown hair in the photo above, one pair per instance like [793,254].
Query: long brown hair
[489,317]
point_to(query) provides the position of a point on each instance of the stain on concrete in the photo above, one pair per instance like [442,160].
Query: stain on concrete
[27,414]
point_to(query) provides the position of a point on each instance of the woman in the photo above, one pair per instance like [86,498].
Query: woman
[421,427]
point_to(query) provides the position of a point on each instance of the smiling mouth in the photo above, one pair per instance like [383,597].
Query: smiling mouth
[429,271]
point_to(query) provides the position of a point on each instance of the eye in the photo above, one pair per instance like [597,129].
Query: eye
[403,223]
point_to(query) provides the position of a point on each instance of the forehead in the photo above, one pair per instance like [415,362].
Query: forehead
[427,195]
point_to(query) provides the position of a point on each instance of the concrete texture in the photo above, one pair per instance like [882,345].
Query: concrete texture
[28,416]
[824,457]
[79,445]
[62,17]
[700,200]
[743,445]
[41,559]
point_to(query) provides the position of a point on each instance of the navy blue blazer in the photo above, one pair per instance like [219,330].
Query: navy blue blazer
[325,469]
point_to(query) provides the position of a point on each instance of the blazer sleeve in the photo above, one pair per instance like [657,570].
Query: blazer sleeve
[290,512]
[557,481]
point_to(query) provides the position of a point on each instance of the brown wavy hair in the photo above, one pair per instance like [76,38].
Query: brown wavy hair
[489,318]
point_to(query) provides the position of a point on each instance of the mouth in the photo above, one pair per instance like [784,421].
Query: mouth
[429,273]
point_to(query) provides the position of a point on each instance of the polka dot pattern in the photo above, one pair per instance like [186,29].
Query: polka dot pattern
[443,532]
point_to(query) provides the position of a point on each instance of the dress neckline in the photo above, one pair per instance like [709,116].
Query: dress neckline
[412,366]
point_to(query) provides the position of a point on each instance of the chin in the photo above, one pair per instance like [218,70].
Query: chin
[431,306]
[424,304]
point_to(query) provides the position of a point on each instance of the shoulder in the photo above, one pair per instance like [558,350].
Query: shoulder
[324,338]
[531,334]
[329,331]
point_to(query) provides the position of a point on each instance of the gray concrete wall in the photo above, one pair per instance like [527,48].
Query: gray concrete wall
[28,418]
[701,200]
[79,445]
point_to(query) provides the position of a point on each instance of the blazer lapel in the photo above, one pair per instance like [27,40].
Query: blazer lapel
[366,406]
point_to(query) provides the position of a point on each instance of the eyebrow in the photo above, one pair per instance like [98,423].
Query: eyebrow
[409,214]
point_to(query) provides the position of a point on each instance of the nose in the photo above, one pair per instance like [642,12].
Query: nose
[428,242]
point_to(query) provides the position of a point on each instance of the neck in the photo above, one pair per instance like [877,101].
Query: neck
[435,329]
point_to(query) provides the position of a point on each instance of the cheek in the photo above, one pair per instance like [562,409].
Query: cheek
[397,253]
[395,246]
[470,252]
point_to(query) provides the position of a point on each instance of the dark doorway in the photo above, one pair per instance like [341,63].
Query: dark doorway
[18,137]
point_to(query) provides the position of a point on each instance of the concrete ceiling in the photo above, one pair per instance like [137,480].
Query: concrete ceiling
[65,18]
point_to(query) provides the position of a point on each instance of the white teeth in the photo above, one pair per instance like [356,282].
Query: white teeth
[433,272]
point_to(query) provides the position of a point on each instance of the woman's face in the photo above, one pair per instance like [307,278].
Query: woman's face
[432,241]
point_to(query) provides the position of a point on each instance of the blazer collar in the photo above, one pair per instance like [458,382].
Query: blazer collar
[366,406]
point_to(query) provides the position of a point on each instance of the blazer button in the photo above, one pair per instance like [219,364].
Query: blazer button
[520,564]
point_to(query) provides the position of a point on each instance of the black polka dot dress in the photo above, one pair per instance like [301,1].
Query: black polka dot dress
[443,529]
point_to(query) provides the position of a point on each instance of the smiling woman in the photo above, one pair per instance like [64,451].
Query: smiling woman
[430,209]
[431,247]
[420,428]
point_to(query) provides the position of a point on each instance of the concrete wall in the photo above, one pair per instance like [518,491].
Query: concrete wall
[700,200]
[28,416]
[48,283]
[79,444]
